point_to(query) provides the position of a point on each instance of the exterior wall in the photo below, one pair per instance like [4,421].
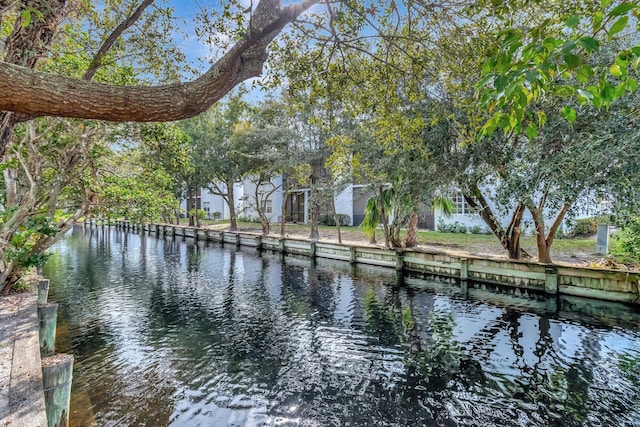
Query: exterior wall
[360,197]
[248,203]
[216,203]
[474,220]
[469,220]
[344,203]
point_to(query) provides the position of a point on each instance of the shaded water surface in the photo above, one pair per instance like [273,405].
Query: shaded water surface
[178,333]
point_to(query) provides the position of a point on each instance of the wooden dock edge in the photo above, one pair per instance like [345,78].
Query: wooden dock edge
[22,401]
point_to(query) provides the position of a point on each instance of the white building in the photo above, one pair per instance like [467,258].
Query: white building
[465,215]
[350,202]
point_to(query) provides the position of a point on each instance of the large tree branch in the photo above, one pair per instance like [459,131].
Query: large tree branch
[556,224]
[477,201]
[41,94]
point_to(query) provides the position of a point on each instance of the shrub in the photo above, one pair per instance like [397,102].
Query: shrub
[327,220]
[216,215]
[585,227]
[344,219]
[456,227]
[249,219]
[476,229]
[330,220]
[20,286]
[629,239]
[198,213]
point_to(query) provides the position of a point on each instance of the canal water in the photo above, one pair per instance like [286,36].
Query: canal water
[172,332]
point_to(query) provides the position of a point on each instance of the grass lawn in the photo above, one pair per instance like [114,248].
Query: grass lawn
[572,250]
[564,249]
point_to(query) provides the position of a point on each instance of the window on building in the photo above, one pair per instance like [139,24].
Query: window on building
[461,205]
[206,207]
[268,206]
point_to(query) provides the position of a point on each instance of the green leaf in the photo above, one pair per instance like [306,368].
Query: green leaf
[622,60]
[608,93]
[615,70]
[585,94]
[512,41]
[597,101]
[26,18]
[632,84]
[532,75]
[584,74]
[565,90]
[572,21]
[618,26]
[621,9]
[597,21]
[542,118]
[569,113]
[500,83]
[531,130]
[620,89]
[490,126]
[571,60]
[487,66]
[569,46]
[589,43]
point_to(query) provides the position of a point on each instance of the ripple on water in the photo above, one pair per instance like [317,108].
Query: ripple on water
[172,333]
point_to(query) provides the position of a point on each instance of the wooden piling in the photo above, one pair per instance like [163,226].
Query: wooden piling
[43,291]
[551,280]
[47,319]
[464,269]
[57,373]
[399,260]
[312,250]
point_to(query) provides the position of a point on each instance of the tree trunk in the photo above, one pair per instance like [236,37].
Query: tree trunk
[283,207]
[10,277]
[314,203]
[512,245]
[544,241]
[233,218]
[411,239]
[543,249]
[191,206]
[396,226]
[266,226]
[336,218]
[384,215]
[314,235]
[509,238]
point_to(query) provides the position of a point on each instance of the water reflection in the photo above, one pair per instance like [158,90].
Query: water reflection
[172,332]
